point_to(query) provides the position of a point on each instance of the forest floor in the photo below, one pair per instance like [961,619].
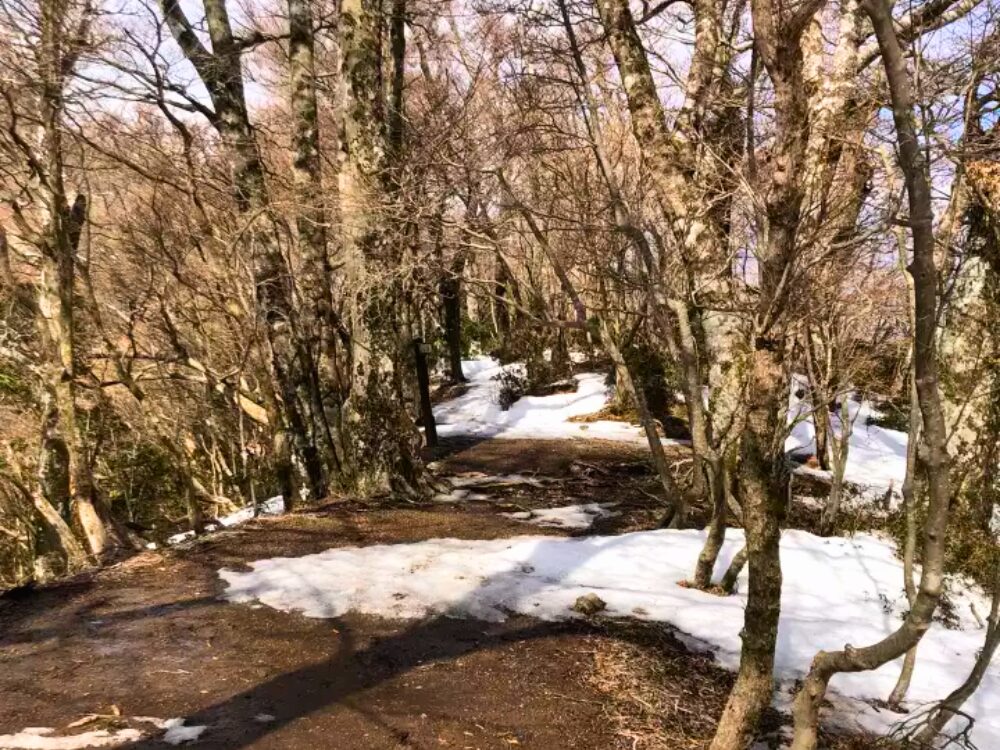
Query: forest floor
[450,623]
[152,637]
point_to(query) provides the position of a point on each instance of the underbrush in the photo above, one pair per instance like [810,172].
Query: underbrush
[514,383]
[971,551]
[511,386]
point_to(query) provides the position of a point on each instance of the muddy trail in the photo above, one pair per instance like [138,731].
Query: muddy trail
[151,637]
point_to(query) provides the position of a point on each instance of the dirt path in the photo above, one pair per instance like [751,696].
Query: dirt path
[150,637]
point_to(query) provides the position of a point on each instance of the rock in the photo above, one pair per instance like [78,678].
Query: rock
[589,604]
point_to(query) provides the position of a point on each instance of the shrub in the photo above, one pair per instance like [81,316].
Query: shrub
[511,385]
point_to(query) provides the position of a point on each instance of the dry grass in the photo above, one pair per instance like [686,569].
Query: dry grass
[671,425]
[660,696]
[611,413]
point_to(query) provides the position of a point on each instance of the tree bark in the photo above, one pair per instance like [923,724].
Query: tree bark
[64,472]
[763,474]
[367,182]
[675,497]
[838,456]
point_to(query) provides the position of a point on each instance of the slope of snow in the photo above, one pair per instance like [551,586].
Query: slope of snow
[876,457]
[566,517]
[835,591]
[476,412]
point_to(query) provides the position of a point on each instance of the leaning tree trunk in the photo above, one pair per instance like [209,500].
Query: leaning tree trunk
[56,534]
[626,383]
[936,463]
[951,706]
[666,153]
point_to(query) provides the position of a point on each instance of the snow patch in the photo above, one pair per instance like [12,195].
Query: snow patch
[836,591]
[43,738]
[876,457]
[478,479]
[271,507]
[178,734]
[566,517]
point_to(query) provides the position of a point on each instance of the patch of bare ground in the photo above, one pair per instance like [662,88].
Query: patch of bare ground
[152,637]
[570,472]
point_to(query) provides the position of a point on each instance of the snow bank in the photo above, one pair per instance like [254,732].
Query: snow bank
[477,413]
[566,517]
[836,591]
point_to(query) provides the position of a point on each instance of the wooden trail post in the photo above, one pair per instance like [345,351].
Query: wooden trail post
[420,350]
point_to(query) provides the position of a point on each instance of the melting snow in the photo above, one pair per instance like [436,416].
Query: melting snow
[178,734]
[566,517]
[272,507]
[43,738]
[478,479]
[835,591]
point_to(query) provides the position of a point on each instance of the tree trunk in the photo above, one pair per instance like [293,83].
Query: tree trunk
[451,303]
[678,510]
[951,706]
[367,182]
[934,454]
[763,482]
[57,534]
[291,362]
[838,456]
[321,326]
[716,534]
[739,561]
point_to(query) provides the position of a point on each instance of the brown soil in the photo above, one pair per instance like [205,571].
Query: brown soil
[151,637]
